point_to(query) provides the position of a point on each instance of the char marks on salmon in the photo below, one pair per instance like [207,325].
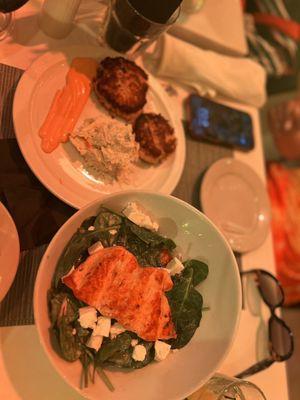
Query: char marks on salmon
[112,281]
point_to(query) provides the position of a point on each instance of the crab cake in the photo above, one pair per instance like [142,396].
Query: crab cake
[155,136]
[121,87]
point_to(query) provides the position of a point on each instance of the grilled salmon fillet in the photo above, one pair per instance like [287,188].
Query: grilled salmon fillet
[112,281]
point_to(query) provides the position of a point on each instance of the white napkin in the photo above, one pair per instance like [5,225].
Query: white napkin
[206,71]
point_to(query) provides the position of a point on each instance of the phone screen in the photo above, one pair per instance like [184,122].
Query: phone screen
[219,124]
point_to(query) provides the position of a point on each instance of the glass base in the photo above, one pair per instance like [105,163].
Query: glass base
[6,22]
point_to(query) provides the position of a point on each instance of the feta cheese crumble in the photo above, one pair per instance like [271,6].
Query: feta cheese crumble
[162,349]
[175,266]
[116,329]
[87,317]
[95,247]
[134,212]
[139,352]
[134,342]
[102,327]
[95,342]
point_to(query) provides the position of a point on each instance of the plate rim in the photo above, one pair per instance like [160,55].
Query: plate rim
[262,194]
[26,144]
[14,267]
[76,215]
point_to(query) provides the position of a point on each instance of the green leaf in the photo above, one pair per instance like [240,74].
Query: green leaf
[149,355]
[107,219]
[55,302]
[69,345]
[110,347]
[121,359]
[186,305]
[105,378]
[60,304]
[151,238]
[118,352]
[147,246]
[200,270]
[75,251]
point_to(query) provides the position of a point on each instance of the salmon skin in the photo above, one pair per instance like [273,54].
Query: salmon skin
[112,281]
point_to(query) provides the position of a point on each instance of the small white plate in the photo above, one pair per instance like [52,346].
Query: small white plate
[63,171]
[9,251]
[234,197]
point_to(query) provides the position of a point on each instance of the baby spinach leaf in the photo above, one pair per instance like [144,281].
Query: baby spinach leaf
[64,314]
[88,222]
[118,352]
[104,378]
[107,219]
[61,305]
[75,251]
[149,237]
[149,355]
[121,359]
[69,345]
[186,305]
[55,302]
[147,246]
[200,270]
[87,360]
[110,347]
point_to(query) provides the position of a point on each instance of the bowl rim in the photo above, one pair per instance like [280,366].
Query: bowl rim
[99,201]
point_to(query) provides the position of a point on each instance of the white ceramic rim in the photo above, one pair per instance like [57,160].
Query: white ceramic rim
[14,267]
[52,244]
[248,242]
[22,126]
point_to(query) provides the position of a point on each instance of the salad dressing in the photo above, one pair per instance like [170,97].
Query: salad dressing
[68,104]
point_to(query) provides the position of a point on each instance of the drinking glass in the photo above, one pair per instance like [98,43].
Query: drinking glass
[191,6]
[6,16]
[128,31]
[221,387]
[5,24]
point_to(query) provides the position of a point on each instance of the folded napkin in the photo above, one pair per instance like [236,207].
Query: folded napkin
[207,72]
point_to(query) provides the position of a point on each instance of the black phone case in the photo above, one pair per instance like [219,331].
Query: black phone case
[208,138]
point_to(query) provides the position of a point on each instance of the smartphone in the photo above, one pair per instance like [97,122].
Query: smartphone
[219,124]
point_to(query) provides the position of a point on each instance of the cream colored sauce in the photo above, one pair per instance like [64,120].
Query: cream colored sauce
[68,104]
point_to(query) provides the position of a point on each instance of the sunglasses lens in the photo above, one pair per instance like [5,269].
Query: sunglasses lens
[270,290]
[280,337]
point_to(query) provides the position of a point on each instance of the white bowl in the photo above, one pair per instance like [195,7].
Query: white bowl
[184,371]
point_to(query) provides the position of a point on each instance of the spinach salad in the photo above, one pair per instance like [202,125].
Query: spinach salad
[69,339]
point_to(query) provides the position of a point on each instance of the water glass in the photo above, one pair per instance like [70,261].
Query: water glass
[221,387]
[129,32]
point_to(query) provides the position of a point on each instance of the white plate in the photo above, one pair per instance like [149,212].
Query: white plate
[184,371]
[234,197]
[62,171]
[9,251]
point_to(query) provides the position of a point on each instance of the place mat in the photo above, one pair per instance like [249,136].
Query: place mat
[38,214]
[9,78]
[17,306]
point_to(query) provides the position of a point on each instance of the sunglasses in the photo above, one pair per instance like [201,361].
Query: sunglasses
[281,342]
